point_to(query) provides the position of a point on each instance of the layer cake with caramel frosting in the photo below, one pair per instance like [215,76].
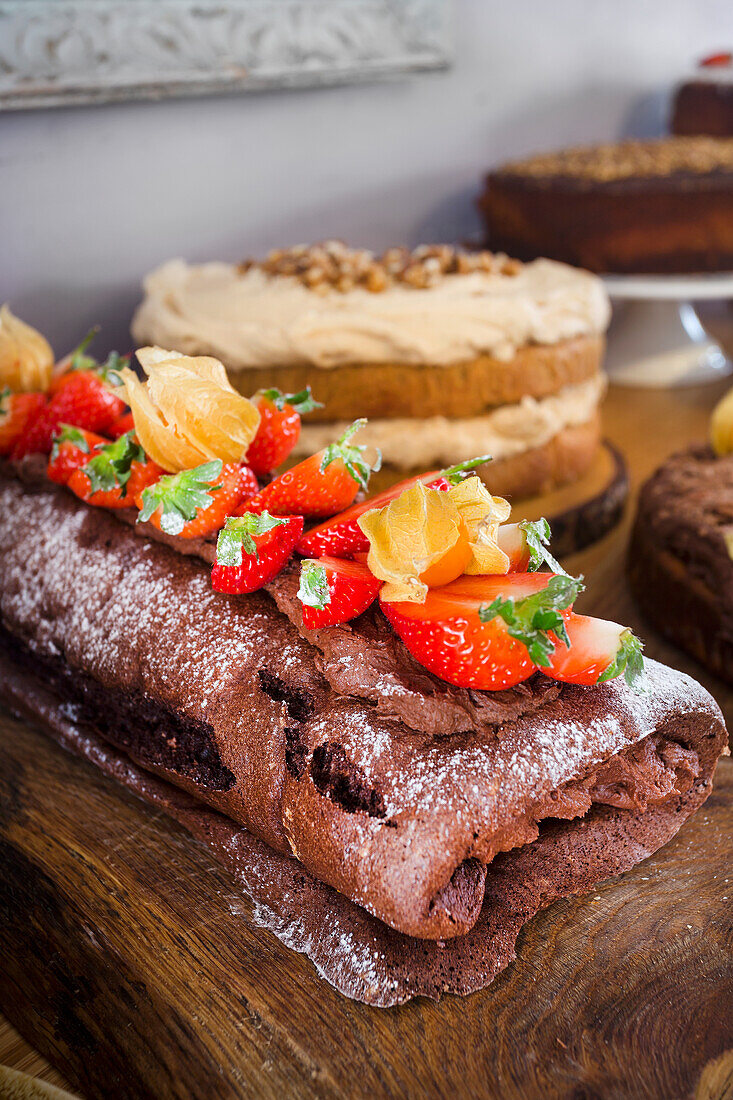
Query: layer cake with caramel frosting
[448,353]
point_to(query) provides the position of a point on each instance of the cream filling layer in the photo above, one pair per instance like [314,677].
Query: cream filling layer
[252,319]
[436,441]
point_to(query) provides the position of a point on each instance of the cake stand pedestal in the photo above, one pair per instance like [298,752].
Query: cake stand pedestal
[656,337]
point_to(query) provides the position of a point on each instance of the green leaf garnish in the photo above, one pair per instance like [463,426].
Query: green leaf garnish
[629,660]
[537,536]
[352,456]
[236,536]
[303,402]
[455,474]
[110,467]
[5,393]
[313,590]
[67,433]
[181,496]
[530,620]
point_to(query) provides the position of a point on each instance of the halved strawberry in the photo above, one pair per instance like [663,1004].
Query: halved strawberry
[279,428]
[252,549]
[115,474]
[486,632]
[526,544]
[17,411]
[195,503]
[341,536]
[124,423]
[323,484]
[333,591]
[71,448]
[596,651]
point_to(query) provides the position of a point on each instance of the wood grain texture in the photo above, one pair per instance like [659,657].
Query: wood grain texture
[150,980]
[130,963]
[17,1054]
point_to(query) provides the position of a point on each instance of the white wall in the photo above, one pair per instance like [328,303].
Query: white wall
[91,198]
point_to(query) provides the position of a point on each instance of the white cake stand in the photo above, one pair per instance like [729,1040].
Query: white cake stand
[656,338]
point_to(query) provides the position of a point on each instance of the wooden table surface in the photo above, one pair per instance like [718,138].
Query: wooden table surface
[622,993]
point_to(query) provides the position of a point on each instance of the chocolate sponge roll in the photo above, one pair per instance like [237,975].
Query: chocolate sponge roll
[225,698]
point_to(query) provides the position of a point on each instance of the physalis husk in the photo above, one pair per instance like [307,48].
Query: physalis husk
[721,425]
[187,412]
[26,358]
[427,537]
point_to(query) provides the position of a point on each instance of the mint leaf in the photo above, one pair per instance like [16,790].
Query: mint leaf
[68,434]
[537,536]
[181,496]
[235,537]
[110,467]
[455,474]
[351,456]
[302,402]
[629,660]
[5,393]
[530,619]
[313,590]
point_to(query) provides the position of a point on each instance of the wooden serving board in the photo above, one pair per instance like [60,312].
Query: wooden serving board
[127,957]
[130,961]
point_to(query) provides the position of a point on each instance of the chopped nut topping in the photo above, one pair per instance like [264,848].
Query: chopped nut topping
[332,265]
[626,159]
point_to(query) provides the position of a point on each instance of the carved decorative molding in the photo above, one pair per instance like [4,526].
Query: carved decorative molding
[58,52]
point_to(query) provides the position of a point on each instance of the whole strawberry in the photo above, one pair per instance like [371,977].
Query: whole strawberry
[279,428]
[252,549]
[325,483]
[333,591]
[80,395]
[17,411]
[71,449]
[195,503]
[84,401]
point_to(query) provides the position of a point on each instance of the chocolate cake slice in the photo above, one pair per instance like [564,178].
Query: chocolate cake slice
[680,560]
[399,811]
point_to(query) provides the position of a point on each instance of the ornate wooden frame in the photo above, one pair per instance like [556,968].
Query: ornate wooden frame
[61,52]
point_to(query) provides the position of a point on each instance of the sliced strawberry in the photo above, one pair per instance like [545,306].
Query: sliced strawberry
[333,591]
[195,503]
[71,448]
[323,484]
[341,536]
[17,411]
[486,632]
[526,544]
[279,428]
[252,549]
[115,474]
[596,651]
[83,401]
[124,423]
